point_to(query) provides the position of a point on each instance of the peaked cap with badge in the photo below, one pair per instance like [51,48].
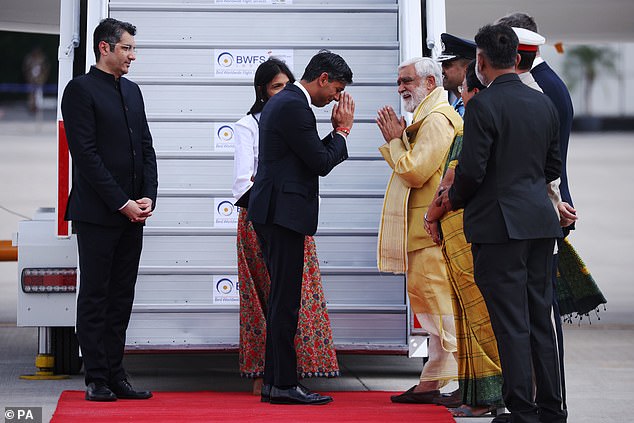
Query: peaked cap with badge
[456,48]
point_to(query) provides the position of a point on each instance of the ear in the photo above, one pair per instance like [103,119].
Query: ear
[323,79]
[104,48]
[518,59]
[430,81]
[480,61]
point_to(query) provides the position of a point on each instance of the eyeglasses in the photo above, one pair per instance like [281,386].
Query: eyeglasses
[127,48]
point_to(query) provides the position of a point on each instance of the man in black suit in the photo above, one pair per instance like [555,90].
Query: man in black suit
[556,90]
[284,204]
[510,153]
[114,192]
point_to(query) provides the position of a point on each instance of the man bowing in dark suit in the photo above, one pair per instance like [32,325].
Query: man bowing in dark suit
[510,153]
[114,191]
[284,204]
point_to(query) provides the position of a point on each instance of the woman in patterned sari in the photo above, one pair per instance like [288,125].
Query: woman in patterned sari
[313,342]
[479,370]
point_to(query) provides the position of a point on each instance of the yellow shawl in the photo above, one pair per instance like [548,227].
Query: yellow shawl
[392,242]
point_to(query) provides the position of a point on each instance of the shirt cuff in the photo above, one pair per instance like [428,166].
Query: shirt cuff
[123,206]
[343,134]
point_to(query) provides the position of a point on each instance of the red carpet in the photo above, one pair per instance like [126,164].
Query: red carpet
[198,407]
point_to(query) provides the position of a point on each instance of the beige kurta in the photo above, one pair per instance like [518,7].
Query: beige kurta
[417,160]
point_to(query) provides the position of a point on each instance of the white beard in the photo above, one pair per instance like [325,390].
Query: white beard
[417,96]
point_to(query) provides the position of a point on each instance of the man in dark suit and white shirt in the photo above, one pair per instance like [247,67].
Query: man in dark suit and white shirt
[510,153]
[284,204]
[114,192]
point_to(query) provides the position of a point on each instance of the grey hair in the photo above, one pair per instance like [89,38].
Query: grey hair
[424,66]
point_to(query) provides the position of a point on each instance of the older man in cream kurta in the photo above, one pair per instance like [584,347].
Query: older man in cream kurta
[417,155]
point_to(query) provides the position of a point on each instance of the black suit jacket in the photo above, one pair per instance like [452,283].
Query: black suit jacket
[291,157]
[556,90]
[111,146]
[510,151]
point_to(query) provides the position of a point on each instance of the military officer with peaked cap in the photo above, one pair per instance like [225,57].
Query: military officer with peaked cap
[456,55]
[529,42]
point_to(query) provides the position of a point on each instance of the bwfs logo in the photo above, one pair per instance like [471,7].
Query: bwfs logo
[225,59]
[242,63]
[225,133]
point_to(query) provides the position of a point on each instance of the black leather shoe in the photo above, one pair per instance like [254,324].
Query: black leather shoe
[99,392]
[502,418]
[123,390]
[265,396]
[297,395]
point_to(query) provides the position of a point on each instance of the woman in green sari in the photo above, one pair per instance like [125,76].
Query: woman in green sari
[479,370]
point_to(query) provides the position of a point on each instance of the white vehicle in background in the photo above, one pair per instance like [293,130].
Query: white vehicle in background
[195,67]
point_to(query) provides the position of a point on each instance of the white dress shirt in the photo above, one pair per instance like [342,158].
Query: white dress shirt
[304,90]
[246,137]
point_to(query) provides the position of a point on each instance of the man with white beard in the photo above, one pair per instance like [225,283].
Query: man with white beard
[417,154]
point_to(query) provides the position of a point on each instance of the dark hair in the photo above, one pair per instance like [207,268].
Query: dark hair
[519,20]
[499,44]
[331,63]
[526,59]
[472,79]
[263,75]
[110,30]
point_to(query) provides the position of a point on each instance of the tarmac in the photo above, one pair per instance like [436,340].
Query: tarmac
[599,356]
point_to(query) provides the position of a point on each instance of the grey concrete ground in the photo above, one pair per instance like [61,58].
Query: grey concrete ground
[599,357]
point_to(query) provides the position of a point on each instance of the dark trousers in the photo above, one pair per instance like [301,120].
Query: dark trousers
[515,281]
[108,262]
[558,327]
[283,251]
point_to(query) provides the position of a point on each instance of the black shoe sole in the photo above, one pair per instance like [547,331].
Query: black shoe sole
[126,397]
[98,399]
[291,402]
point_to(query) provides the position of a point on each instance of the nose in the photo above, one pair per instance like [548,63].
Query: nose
[132,55]
[401,88]
[337,96]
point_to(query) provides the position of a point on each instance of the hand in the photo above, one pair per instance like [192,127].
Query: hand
[435,232]
[436,210]
[567,214]
[138,212]
[440,205]
[390,125]
[432,228]
[343,112]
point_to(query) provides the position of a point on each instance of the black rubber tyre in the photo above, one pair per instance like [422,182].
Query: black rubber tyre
[66,351]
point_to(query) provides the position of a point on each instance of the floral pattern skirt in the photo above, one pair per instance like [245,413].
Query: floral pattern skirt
[313,342]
